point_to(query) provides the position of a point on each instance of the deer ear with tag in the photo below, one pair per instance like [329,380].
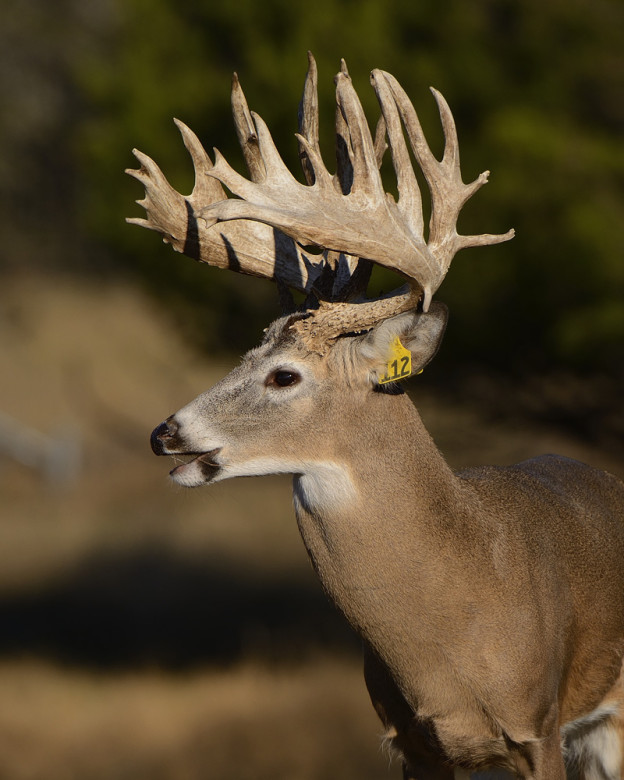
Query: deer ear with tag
[403,345]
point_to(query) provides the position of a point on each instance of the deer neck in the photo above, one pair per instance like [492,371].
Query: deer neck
[387,527]
[382,475]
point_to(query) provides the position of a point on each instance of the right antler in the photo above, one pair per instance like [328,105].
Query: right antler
[348,214]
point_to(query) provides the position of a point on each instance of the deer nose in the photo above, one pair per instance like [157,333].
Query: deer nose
[163,435]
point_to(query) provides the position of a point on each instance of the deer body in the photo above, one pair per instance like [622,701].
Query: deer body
[490,602]
[484,633]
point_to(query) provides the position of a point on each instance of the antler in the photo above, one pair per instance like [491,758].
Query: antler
[244,246]
[348,214]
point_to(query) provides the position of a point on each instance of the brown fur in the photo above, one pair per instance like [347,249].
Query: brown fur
[491,602]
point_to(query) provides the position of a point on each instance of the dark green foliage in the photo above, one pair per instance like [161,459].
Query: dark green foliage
[536,88]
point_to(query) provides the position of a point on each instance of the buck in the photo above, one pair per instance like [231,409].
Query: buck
[491,601]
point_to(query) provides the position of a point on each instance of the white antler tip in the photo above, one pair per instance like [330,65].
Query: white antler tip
[436,94]
[144,159]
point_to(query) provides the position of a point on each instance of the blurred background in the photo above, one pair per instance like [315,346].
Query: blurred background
[152,632]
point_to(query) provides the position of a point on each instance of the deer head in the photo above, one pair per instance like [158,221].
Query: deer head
[263,231]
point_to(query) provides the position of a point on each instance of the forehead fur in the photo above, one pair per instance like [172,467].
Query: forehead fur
[280,333]
[341,358]
[280,339]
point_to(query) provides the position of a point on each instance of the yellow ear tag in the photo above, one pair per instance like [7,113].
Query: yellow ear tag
[399,363]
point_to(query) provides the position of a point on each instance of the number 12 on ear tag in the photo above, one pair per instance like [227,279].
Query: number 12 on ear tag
[399,363]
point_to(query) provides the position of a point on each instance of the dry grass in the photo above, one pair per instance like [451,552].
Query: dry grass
[248,723]
[107,579]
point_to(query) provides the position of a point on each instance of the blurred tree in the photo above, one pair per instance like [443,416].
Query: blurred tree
[40,44]
[536,89]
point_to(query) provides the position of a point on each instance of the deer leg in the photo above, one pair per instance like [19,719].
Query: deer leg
[542,760]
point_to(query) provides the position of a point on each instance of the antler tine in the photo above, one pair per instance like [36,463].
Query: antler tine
[410,199]
[309,118]
[246,132]
[366,176]
[380,140]
[204,189]
[344,151]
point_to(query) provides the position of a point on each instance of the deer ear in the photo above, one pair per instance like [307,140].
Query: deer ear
[419,332]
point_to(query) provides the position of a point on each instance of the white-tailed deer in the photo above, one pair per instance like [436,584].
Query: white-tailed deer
[490,601]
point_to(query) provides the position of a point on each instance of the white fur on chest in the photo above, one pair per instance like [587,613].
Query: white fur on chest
[593,743]
[323,487]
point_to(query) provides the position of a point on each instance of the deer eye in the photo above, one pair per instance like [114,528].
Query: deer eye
[283,378]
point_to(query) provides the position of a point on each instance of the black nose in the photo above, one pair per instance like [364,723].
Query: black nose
[163,435]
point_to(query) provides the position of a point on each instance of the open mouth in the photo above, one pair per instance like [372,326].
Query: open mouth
[203,462]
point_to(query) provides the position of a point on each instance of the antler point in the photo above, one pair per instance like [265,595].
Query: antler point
[140,221]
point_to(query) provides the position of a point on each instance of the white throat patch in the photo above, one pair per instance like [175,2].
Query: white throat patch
[324,486]
[317,485]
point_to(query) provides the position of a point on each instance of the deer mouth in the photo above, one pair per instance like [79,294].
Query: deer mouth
[201,468]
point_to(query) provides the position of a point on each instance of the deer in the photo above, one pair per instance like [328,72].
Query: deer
[490,602]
